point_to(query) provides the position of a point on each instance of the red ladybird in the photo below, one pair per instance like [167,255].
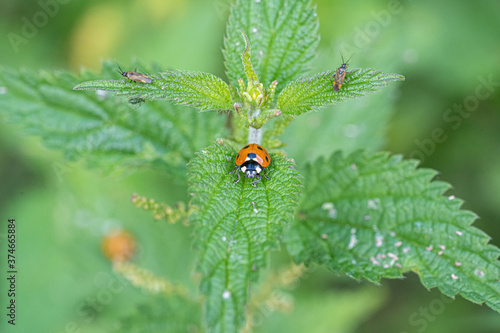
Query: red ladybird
[252,160]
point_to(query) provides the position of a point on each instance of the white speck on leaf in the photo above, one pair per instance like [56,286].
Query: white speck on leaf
[332,212]
[374,203]
[226,294]
[255,210]
[479,273]
[354,240]
[392,256]
[327,206]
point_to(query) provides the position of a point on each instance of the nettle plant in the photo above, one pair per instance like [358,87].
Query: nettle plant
[367,215]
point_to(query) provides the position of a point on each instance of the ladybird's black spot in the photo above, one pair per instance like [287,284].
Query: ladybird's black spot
[259,147]
[267,159]
[246,146]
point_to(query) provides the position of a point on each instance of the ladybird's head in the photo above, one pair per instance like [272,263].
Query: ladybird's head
[251,169]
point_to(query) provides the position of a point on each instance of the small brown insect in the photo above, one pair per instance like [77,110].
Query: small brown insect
[340,76]
[135,76]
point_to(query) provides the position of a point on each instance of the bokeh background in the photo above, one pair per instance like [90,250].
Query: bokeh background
[443,48]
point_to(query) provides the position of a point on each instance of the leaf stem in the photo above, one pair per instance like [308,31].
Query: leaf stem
[254,135]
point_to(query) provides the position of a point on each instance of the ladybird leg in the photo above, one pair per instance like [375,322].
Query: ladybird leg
[237,180]
[234,169]
[264,169]
[256,180]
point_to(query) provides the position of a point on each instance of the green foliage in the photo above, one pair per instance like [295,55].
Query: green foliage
[160,314]
[106,131]
[307,94]
[283,35]
[236,226]
[374,215]
[201,90]
[368,215]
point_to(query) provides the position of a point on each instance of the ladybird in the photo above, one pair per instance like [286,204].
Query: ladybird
[135,76]
[340,76]
[252,160]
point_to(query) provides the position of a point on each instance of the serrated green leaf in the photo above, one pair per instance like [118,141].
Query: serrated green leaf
[201,90]
[375,215]
[237,225]
[307,94]
[247,63]
[283,35]
[104,130]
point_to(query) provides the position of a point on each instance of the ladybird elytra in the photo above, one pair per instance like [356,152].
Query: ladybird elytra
[253,152]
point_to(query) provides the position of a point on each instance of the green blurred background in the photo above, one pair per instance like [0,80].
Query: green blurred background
[443,48]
